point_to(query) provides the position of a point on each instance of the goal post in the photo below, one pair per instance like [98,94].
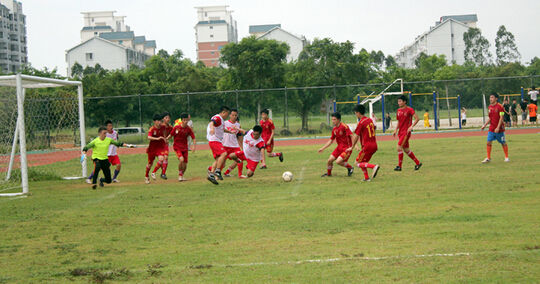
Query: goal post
[52,118]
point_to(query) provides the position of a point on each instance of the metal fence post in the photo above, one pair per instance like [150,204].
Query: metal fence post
[410,99]
[286,112]
[188,104]
[237,105]
[435,110]
[140,117]
[522,92]
[459,110]
[383,114]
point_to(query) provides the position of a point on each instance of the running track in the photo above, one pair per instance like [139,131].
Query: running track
[61,156]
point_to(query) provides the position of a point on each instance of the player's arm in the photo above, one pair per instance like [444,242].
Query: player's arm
[122,144]
[501,114]
[328,143]
[212,128]
[355,139]
[271,135]
[194,144]
[416,119]
[88,146]
[485,124]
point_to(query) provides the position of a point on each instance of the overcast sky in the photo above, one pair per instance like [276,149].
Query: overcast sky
[54,25]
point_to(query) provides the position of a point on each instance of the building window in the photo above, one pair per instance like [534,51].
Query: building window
[212,52]
[206,14]
[211,27]
[95,33]
[89,56]
[211,36]
[120,41]
[212,44]
[220,47]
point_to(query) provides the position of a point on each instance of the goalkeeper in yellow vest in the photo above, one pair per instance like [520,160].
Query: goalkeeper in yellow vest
[100,148]
[426,119]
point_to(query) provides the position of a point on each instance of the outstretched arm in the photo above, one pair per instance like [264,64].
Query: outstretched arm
[354,141]
[328,143]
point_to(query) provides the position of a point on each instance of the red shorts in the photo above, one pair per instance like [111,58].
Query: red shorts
[182,154]
[153,153]
[114,160]
[269,145]
[404,140]
[251,165]
[367,152]
[341,152]
[217,148]
[231,150]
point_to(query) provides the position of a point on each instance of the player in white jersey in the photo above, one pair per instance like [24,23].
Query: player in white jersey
[231,142]
[112,153]
[214,134]
[253,145]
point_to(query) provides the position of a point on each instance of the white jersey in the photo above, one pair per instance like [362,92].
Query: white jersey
[218,129]
[463,116]
[190,123]
[112,148]
[230,140]
[533,94]
[252,147]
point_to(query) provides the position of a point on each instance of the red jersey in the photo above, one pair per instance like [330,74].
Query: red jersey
[366,130]
[404,117]
[180,135]
[342,133]
[267,126]
[495,116]
[156,144]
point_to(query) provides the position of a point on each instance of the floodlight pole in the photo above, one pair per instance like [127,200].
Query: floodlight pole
[82,126]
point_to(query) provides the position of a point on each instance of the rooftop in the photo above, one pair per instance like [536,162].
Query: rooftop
[150,43]
[117,35]
[213,22]
[97,28]
[139,40]
[262,28]
[461,18]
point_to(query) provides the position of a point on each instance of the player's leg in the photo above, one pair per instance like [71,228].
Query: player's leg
[159,164]
[219,164]
[329,166]
[363,162]
[270,152]
[97,168]
[502,140]
[490,138]
[263,160]
[165,163]
[106,168]
[115,161]
[89,178]
[400,156]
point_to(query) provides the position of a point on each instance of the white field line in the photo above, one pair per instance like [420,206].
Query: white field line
[13,198]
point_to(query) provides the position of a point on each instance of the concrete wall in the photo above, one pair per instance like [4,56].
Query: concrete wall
[109,56]
[296,45]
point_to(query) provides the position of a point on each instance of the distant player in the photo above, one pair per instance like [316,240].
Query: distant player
[253,148]
[231,142]
[496,127]
[100,148]
[214,134]
[180,133]
[268,130]
[365,132]
[426,119]
[157,137]
[404,128]
[112,154]
[533,108]
[342,134]
[167,128]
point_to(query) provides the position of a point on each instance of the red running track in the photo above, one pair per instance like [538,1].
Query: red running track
[62,156]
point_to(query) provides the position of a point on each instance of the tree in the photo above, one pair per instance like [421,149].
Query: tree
[77,70]
[390,61]
[506,49]
[476,47]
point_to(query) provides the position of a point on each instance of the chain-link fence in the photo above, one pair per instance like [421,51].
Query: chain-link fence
[306,110]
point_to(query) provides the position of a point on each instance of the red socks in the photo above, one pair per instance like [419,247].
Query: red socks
[505,149]
[413,157]
[158,165]
[275,154]
[148,167]
[489,151]
[164,166]
[180,173]
[329,170]
[240,168]
[400,158]
[347,165]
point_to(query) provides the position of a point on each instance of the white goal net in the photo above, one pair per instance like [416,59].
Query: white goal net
[41,131]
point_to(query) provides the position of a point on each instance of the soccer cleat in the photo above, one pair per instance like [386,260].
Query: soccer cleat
[163,176]
[212,179]
[146,180]
[115,180]
[94,186]
[242,177]
[507,159]
[281,156]
[486,160]
[263,167]
[88,181]
[218,174]
[326,175]
[417,167]
[101,182]
[180,178]
[367,180]
[350,171]
[375,171]
[227,175]
[153,176]
[397,169]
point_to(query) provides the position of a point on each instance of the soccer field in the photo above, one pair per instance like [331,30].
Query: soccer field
[455,220]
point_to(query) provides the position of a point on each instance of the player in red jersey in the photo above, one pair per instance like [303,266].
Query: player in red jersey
[365,132]
[167,128]
[253,145]
[231,142]
[342,134]
[156,135]
[404,128]
[268,137]
[496,127]
[214,135]
[180,133]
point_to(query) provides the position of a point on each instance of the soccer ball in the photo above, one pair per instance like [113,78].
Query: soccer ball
[287,176]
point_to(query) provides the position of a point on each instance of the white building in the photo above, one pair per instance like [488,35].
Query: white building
[214,29]
[259,30]
[105,35]
[296,43]
[445,38]
[13,41]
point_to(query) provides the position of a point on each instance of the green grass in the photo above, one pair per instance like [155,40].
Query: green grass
[170,232]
